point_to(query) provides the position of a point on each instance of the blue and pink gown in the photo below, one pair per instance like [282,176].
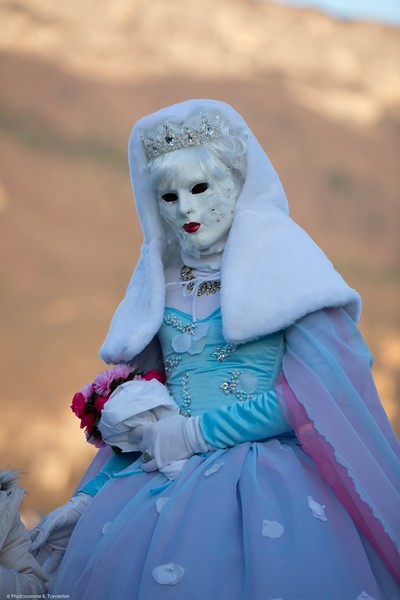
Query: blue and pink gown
[296,502]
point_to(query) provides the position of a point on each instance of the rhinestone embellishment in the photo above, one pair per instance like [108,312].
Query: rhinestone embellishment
[221,353]
[167,137]
[206,287]
[194,341]
[231,386]
[171,362]
[187,398]
[177,324]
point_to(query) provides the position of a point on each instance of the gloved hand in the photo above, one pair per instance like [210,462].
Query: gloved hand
[56,528]
[170,440]
[49,554]
[132,405]
[174,469]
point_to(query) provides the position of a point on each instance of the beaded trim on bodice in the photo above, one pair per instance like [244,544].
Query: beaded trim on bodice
[204,371]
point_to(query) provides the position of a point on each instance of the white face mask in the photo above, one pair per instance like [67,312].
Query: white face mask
[200,210]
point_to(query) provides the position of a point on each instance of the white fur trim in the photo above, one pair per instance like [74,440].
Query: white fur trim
[276,277]
[140,314]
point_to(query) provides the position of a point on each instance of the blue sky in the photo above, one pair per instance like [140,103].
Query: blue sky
[387,11]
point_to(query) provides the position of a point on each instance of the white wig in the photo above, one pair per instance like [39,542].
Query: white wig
[226,151]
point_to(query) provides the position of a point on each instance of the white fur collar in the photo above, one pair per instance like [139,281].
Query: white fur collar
[272,273]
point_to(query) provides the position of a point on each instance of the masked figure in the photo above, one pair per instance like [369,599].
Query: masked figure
[274,473]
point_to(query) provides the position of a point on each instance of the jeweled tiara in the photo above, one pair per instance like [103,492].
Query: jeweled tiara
[168,137]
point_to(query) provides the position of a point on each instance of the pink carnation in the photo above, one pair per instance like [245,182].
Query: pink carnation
[87,390]
[154,374]
[121,372]
[102,383]
[100,402]
[78,404]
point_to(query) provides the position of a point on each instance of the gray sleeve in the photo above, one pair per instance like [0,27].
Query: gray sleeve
[19,571]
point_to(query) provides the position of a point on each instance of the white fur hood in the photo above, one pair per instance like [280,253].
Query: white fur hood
[272,273]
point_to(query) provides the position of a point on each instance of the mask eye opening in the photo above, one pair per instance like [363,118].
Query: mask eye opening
[199,188]
[170,197]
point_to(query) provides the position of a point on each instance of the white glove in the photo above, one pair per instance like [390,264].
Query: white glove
[170,440]
[173,469]
[53,532]
[132,404]
[49,554]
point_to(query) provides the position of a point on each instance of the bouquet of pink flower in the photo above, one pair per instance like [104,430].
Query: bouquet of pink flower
[88,404]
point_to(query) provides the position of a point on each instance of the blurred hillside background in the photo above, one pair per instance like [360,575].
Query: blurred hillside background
[321,94]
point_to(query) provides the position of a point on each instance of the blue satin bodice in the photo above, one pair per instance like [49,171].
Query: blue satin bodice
[205,372]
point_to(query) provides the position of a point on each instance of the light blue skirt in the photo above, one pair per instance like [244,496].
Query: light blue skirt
[254,522]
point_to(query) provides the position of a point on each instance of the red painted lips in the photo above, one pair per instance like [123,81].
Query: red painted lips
[191,227]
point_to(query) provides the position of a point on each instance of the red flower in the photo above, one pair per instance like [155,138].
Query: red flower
[88,420]
[78,404]
[100,402]
[154,374]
